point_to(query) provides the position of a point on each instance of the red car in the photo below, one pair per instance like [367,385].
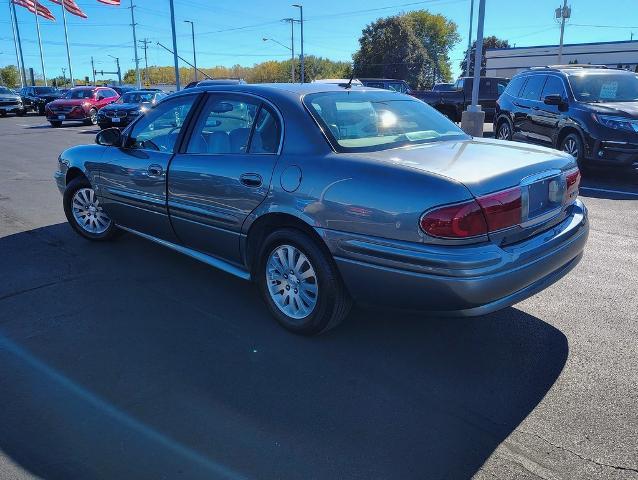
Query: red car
[80,104]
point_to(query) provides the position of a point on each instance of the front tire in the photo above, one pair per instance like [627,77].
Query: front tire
[56,124]
[504,130]
[84,212]
[573,145]
[92,120]
[300,283]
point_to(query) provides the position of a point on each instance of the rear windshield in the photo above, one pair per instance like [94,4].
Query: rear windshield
[79,94]
[604,87]
[369,121]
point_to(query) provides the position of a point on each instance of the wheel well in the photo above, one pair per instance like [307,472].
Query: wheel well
[566,131]
[73,173]
[500,120]
[265,225]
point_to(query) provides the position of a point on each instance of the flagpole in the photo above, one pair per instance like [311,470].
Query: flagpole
[23,75]
[37,26]
[66,39]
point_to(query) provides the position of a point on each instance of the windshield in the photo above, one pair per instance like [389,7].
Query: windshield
[604,87]
[5,91]
[79,94]
[44,90]
[369,121]
[135,97]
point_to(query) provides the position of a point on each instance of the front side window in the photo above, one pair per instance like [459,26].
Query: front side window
[159,129]
[601,87]
[554,86]
[370,121]
[224,126]
[533,87]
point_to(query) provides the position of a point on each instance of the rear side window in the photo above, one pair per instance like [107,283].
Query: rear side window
[514,87]
[554,86]
[533,87]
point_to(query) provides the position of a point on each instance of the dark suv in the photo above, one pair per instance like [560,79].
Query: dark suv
[588,111]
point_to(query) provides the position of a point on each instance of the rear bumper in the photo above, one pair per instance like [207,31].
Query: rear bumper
[459,280]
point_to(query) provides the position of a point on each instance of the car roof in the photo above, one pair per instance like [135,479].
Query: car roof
[294,88]
[372,79]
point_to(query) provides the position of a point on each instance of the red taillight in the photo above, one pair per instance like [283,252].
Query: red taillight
[502,209]
[572,178]
[488,213]
[463,220]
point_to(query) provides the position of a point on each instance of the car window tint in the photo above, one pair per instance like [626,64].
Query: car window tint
[553,86]
[533,87]
[224,126]
[267,133]
[396,86]
[500,85]
[159,129]
[375,84]
[514,87]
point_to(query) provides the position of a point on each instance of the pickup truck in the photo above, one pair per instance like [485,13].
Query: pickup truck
[453,103]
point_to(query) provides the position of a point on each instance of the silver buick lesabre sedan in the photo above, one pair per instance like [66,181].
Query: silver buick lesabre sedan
[324,195]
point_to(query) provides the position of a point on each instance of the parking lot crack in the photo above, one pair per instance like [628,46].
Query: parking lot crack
[582,457]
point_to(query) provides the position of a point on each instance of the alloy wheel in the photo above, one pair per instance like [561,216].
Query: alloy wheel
[503,131]
[570,146]
[292,282]
[93,114]
[88,212]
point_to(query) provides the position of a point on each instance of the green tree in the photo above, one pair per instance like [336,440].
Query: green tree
[10,76]
[488,42]
[438,35]
[389,47]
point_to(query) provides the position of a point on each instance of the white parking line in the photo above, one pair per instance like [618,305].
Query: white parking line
[621,192]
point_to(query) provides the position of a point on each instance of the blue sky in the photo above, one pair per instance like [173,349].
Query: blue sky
[230,32]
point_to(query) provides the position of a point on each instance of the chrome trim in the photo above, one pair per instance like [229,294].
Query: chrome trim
[202,257]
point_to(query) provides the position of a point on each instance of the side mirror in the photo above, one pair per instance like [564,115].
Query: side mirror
[109,137]
[553,99]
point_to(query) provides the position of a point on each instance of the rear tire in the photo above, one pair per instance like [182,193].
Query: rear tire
[303,291]
[503,131]
[84,212]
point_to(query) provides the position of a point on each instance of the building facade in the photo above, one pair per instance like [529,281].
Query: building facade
[506,62]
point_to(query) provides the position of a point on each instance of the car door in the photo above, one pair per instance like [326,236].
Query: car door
[224,172]
[528,104]
[549,116]
[132,178]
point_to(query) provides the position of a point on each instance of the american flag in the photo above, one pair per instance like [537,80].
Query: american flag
[31,5]
[71,7]
[110,2]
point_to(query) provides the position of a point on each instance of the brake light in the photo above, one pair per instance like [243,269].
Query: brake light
[486,214]
[572,180]
[463,220]
[502,209]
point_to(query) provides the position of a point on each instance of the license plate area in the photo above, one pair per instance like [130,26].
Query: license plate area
[61,117]
[115,120]
[542,198]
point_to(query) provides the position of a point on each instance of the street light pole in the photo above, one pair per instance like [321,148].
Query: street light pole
[193,36]
[301,57]
[469,41]
[292,68]
[37,26]
[564,15]
[177,87]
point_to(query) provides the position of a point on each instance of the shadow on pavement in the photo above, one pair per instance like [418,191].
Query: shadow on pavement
[126,360]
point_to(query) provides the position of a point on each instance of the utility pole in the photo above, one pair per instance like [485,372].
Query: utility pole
[563,13]
[469,41]
[194,56]
[137,60]
[93,70]
[292,46]
[145,42]
[177,87]
[301,57]
[37,27]
[23,73]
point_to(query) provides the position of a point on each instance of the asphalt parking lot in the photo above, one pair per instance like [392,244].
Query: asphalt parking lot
[127,360]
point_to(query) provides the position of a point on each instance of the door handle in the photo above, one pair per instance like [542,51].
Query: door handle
[251,179]
[155,170]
